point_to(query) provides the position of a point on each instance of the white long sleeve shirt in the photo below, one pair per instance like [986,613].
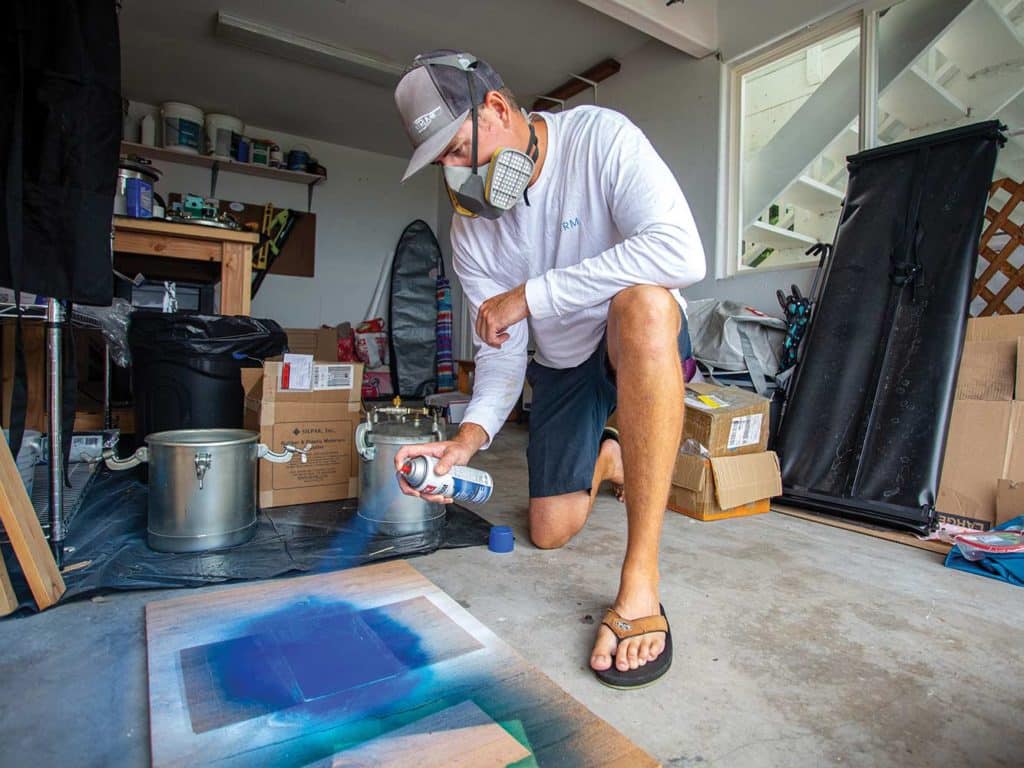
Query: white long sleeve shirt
[605,214]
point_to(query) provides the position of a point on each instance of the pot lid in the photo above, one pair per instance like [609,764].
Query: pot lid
[401,421]
[207,438]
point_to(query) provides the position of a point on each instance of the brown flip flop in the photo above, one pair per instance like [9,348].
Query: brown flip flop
[649,672]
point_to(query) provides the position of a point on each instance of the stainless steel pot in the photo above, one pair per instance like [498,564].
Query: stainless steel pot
[202,486]
[381,501]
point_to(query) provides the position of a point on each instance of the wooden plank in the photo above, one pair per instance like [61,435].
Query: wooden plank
[123,224]
[900,537]
[463,736]
[26,535]
[34,339]
[317,722]
[236,279]
[148,244]
[8,600]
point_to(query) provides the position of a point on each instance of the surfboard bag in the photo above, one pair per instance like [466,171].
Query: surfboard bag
[413,313]
[864,431]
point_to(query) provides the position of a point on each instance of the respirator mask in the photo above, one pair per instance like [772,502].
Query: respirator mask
[491,189]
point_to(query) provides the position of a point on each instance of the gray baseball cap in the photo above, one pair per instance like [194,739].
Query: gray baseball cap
[433,99]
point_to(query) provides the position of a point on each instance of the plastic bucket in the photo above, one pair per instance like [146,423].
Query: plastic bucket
[219,130]
[183,127]
[28,456]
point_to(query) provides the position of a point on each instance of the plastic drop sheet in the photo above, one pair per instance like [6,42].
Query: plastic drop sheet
[864,430]
[109,533]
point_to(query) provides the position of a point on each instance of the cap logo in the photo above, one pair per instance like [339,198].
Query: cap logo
[423,122]
[465,62]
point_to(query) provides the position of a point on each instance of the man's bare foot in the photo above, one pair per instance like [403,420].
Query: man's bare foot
[608,468]
[633,652]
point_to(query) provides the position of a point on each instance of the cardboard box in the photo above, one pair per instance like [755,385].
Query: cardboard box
[325,418]
[727,421]
[984,443]
[321,343]
[724,486]
[982,448]
[998,327]
[988,370]
[1009,500]
[1018,388]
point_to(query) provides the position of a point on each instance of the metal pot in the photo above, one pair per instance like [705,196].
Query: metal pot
[381,500]
[202,486]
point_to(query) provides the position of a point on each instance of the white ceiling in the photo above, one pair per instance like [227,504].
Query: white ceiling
[170,53]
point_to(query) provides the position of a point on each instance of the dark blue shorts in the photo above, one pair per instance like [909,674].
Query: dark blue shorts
[567,415]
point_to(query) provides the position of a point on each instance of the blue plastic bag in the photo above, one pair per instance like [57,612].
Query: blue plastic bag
[1008,568]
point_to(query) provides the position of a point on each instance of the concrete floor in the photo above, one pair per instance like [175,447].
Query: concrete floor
[797,644]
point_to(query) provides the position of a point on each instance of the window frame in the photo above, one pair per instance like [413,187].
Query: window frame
[728,256]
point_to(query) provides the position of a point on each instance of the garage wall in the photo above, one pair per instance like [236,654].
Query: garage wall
[361,211]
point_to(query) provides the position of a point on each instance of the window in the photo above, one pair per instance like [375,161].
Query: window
[795,113]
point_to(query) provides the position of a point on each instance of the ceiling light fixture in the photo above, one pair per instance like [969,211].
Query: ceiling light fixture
[304,50]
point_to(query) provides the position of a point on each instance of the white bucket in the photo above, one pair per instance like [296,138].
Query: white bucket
[183,127]
[219,129]
[28,456]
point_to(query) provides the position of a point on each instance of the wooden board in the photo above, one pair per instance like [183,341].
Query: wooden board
[357,667]
[463,736]
[900,537]
[8,600]
[33,336]
[26,535]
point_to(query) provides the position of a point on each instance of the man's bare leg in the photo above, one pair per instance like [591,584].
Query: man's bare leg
[643,326]
[554,520]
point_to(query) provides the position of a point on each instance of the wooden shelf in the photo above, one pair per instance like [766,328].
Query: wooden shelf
[231,166]
[216,165]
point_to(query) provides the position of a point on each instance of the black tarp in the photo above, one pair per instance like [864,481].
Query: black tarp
[413,314]
[108,532]
[864,430]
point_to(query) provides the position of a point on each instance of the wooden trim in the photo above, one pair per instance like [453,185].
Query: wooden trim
[26,535]
[167,246]
[236,279]
[575,86]
[192,231]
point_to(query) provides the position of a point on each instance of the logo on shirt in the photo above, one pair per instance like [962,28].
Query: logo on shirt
[570,224]
[423,122]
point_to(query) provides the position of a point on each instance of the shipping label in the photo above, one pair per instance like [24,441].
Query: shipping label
[745,430]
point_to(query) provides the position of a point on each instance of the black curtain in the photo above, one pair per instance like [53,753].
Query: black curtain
[60,127]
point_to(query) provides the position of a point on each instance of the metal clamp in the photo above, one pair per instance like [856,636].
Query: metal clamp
[203,462]
[366,449]
[141,456]
[263,452]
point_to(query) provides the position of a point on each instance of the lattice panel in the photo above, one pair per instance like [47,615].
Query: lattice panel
[999,286]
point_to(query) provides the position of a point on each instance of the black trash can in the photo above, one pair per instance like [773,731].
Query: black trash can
[185,367]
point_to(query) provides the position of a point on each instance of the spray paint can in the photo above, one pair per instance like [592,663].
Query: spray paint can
[461,484]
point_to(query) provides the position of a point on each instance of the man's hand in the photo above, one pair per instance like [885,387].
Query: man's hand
[449,453]
[499,313]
